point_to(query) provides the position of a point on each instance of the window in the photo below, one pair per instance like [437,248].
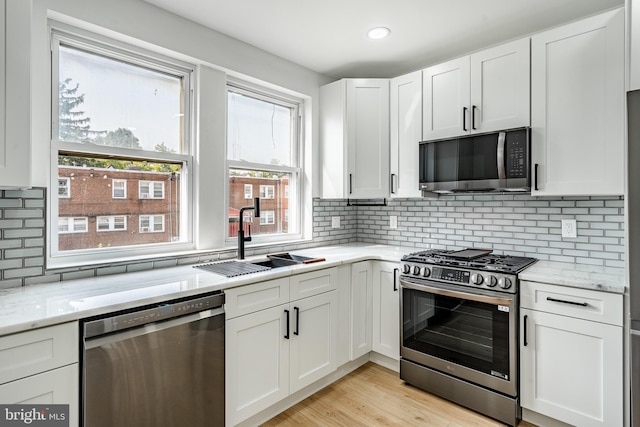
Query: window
[64,188]
[266,191]
[119,188]
[263,150]
[151,223]
[286,191]
[248,191]
[111,223]
[151,190]
[286,215]
[73,225]
[120,114]
[267,217]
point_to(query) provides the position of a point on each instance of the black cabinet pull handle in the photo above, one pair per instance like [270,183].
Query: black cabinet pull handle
[287,334]
[350,184]
[395,280]
[525,330]
[473,117]
[392,181]
[535,177]
[297,310]
[563,301]
[464,118]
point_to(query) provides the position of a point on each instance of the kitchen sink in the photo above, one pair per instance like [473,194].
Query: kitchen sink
[239,268]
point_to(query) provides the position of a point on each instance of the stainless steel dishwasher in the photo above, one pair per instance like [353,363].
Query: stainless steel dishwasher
[157,366]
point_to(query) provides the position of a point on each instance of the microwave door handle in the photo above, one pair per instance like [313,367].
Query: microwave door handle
[502,174]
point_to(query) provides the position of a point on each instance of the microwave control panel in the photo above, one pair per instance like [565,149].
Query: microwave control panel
[517,154]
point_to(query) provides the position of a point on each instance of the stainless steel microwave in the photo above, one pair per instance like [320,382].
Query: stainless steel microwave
[496,161]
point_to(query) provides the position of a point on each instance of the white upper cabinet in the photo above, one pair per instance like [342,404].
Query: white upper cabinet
[483,92]
[446,99]
[354,135]
[405,123]
[15,93]
[577,102]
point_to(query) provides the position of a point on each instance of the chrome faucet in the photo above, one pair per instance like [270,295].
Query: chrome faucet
[241,237]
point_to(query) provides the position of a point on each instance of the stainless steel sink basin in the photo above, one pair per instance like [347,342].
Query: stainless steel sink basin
[238,268]
[286,259]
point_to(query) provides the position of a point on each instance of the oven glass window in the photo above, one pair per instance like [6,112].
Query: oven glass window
[460,331]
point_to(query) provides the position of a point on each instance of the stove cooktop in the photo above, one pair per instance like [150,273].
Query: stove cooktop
[478,259]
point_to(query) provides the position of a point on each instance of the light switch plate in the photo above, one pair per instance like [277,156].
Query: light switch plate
[335,222]
[393,222]
[569,228]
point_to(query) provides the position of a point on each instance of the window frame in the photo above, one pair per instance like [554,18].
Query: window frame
[152,191]
[152,223]
[267,218]
[113,188]
[71,221]
[248,194]
[265,190]
[63,34]
[296,171]
[111,222]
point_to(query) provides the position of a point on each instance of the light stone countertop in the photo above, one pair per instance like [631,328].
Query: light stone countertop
[606,279]
[41,305]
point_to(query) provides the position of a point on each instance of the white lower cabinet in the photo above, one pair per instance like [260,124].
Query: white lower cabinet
[361,308]
[41,367]
[276,351]
[386,310]
[571,361]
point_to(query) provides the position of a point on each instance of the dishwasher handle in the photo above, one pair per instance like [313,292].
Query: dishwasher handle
[150,314]
[150,328]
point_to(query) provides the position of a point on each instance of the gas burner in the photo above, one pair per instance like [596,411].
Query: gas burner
[478,259]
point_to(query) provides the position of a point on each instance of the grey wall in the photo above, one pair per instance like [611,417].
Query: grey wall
[506,223]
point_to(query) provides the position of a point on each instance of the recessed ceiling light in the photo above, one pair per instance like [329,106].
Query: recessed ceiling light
[378,33]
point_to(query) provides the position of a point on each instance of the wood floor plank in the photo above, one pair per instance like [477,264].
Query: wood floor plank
[374,396]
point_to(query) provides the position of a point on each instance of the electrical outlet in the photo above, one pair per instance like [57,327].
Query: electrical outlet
[393,222]
[569,228]
[335,222]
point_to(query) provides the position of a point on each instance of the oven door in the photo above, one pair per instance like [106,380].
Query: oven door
[469,335]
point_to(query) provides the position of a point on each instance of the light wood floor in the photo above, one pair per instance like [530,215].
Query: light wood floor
[374,396]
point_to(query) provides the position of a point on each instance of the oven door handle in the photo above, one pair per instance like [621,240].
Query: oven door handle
[457,294]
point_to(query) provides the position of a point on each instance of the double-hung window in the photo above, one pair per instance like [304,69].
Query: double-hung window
[120,114]
[264,151]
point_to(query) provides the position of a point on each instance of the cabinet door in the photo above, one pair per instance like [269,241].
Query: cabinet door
[500,87]
[571,369]
[57,386]
[15,91]
[367,138]
[257,362]
[405,123]
[577,107]
[314,331]
[361,308]
[446,99]
[386,310]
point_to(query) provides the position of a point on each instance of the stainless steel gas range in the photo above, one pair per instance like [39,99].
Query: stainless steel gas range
[459,328]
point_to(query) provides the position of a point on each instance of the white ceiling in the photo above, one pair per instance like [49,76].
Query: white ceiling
[329,36]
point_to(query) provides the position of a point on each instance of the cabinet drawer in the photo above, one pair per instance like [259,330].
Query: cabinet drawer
[58,386]
[313,283]
[574,302]
[251,298]
[39,350]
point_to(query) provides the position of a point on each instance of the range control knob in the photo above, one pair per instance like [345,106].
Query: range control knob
[504,283]
[406,269]
[416,270]
[490,281]
[426,272]
[477,279]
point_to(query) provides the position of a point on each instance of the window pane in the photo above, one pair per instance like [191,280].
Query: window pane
[273,208]
[91,181]
[110,102]
[258,131]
